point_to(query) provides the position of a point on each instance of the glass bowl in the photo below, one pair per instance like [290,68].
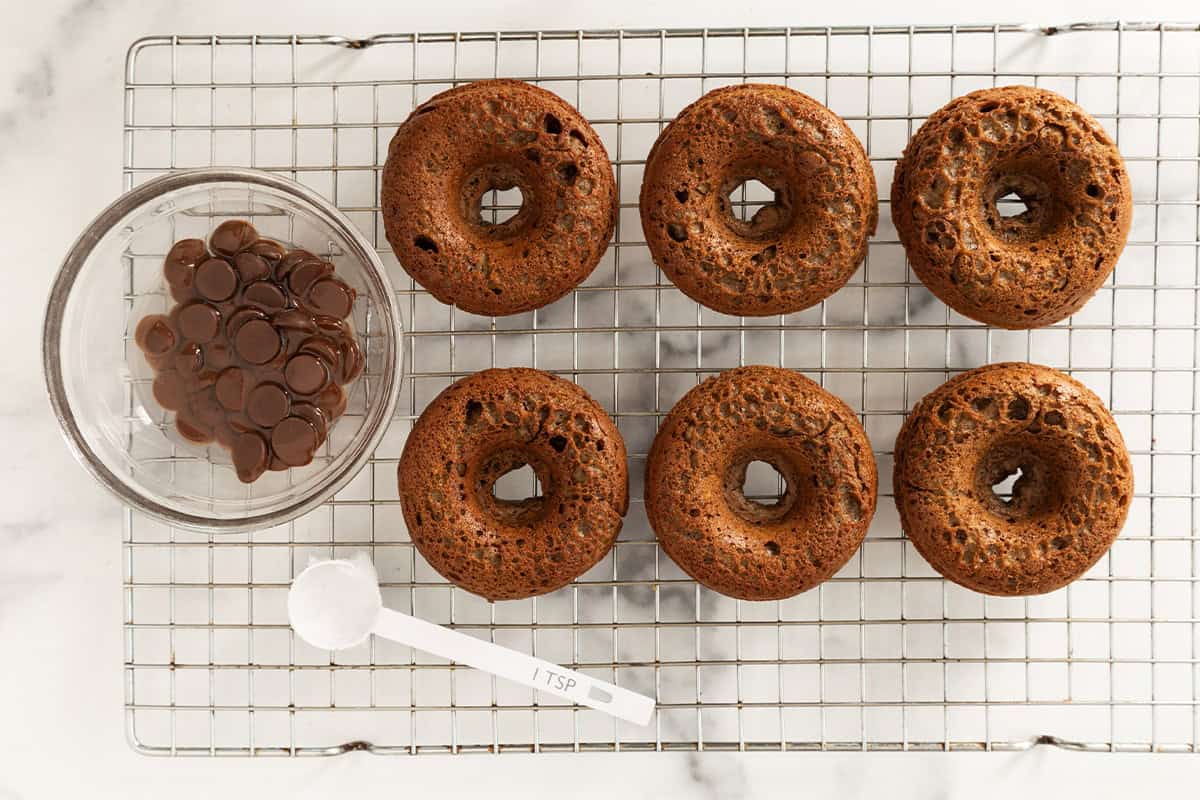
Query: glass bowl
[100,384]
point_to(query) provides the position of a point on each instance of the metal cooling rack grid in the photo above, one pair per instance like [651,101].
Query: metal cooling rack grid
[885,656]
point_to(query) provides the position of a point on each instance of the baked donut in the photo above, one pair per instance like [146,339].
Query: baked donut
[697,467]
[1043,264]
[485,426]
[795,251]
[497,134]
[1067,506]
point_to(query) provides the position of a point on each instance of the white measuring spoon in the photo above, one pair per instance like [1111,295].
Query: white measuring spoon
[336,604]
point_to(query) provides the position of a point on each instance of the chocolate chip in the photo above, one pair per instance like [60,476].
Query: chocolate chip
[293,259]
[294,441]
[268,250]
[306,374]
[189,360]
[199,322]
[251,267]
[333,327]
[331,297]
[191,430]
[351,360]
[232,237]
[293,319]
[179,267]
[206,409]
[154,335]
[324,348]
[224,434]
[332,401]
[217,355]
[239,318]
[250,456]
[267,405]
[306,274]
[216,279]
[265,295]
[169,390]
[241,423]
[231,389]
[257,341]
[315,417]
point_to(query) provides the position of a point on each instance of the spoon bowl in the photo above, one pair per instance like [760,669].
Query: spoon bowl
[335,604]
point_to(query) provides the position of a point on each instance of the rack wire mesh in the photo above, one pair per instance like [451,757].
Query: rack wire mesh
[886,655]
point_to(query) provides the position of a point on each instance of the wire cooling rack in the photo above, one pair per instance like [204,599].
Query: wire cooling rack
[886,655]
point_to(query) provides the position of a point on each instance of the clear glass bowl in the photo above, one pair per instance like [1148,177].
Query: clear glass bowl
[100,383]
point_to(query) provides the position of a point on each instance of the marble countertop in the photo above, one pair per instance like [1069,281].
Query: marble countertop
[60,608]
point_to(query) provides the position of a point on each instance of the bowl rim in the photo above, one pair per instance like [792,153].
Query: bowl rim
[72,266]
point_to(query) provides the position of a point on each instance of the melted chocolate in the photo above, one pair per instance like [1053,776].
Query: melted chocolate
[256,352]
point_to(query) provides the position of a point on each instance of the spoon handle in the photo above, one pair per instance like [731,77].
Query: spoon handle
[527,670]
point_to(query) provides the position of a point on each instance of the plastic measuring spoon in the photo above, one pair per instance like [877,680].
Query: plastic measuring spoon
[336,604]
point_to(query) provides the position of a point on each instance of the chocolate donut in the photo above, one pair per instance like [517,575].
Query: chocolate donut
[795,251]
[498,134]
[1067,506]
[485,426]
[1043,264]
[697,467]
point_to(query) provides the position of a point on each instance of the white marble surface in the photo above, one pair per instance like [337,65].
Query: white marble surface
[60,608]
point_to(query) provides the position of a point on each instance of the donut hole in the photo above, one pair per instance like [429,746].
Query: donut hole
[1017,480]
[495,200]
[755,204]
[511,486]
[498,206]
[517,485]
[763,485]
[1011,205]
[750,197]
[757,488]
[1003,489]
[1019,205]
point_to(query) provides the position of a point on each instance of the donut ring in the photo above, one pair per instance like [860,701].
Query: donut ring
[697,467]
[794,252]
[1022,271]
[1067,506]
[497,134]
[489,424]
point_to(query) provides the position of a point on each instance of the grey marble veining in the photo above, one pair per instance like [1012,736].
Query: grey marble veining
[717,776]
[34,83]
[34,92]
[60,572]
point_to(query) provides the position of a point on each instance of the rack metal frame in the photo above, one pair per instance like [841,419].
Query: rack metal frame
[886,655]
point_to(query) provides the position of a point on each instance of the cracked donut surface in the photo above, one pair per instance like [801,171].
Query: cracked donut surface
[966,242]
[1073,486]
[485,426]
[796,250]
[462,144]
[739,546]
